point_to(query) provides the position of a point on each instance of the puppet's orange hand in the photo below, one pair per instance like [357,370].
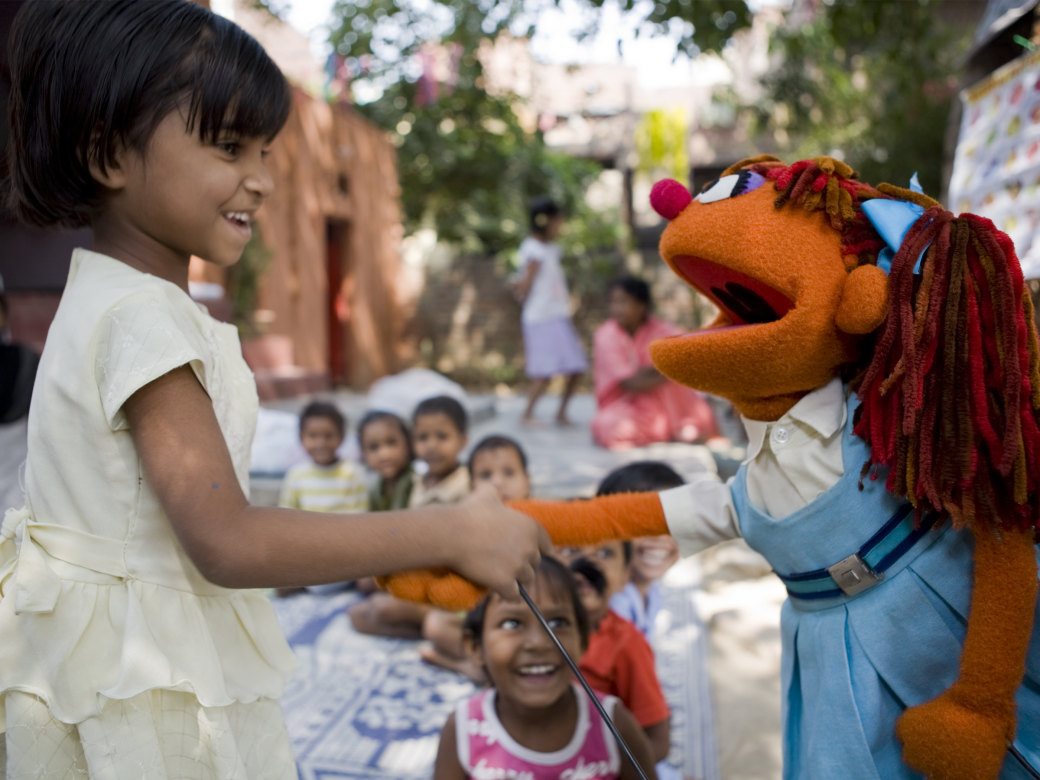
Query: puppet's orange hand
[440,587]
[568,523]
[945,740]
[964,733]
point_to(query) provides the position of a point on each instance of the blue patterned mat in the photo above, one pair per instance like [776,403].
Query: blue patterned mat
[369,708]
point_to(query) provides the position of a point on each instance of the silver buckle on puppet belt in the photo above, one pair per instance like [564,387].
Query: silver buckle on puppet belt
[854,575]
[867,566]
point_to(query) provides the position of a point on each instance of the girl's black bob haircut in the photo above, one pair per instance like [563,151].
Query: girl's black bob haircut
[91,76]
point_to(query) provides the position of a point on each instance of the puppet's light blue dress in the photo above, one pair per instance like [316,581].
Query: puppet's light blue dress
[851,665]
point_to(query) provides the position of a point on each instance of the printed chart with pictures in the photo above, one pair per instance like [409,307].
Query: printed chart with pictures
[996,170]
[368,708]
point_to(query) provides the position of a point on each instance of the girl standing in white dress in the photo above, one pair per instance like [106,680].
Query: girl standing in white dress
[130,646]
[551,344]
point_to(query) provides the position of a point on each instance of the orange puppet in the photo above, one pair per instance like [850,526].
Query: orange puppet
[884,357]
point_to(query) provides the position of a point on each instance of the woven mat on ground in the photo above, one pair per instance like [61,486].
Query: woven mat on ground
[369,708]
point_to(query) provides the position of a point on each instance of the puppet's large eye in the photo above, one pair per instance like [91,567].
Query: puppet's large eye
[731,186]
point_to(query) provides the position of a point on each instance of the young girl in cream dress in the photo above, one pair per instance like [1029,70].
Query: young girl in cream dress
[130,645]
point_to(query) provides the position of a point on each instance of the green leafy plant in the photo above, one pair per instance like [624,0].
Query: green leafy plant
[870,82]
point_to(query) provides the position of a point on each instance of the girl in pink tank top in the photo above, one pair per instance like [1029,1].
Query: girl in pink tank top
[535,723]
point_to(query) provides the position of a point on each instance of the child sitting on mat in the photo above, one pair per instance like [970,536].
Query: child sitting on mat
[386,447]
[640,600]
[502,463]
[327,483]
[439,429]
[535,721]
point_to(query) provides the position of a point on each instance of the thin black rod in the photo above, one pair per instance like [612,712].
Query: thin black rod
[584,683]
[1022,760]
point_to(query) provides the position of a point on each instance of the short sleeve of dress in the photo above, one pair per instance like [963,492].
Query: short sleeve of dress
[140,339]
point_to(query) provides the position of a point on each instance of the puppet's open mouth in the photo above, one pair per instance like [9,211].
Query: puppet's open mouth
[743,299]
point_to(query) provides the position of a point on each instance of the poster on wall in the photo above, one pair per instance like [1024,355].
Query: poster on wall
[996,168]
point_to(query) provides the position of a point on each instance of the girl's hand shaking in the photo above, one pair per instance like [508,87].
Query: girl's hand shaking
[497,546]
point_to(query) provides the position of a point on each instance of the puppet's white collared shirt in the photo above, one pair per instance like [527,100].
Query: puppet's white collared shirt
[790,463]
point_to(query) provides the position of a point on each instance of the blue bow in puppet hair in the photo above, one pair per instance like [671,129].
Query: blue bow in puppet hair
[892,219]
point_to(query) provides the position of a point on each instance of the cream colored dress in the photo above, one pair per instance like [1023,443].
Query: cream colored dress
[117,658]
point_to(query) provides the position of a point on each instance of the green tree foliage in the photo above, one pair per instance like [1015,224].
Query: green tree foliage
[468,165]
[872,81]
[696,25]
[389,32]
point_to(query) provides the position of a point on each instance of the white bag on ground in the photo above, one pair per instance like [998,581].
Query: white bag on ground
[401,393]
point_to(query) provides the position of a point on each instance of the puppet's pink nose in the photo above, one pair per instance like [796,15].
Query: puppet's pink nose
[668,198]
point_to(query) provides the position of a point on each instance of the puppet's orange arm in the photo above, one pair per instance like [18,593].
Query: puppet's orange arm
[624,516]
[568,522]
[963,734]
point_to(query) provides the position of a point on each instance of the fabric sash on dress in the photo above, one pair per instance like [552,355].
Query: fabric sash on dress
[37,587]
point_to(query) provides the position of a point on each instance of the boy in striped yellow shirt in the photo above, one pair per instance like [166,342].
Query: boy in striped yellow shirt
[327,484]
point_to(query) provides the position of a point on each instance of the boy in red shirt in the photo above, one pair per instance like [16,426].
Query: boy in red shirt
[618,660]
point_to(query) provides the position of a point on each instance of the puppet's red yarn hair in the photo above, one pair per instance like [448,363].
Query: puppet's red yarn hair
[950,398]
[951,392]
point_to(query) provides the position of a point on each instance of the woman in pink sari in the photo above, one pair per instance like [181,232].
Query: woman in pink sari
[637,405]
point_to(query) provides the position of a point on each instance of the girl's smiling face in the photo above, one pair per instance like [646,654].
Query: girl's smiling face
[525,667]
[385,448]
[184,195]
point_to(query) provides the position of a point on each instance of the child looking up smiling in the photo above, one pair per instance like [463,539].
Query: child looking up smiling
[439,427]
[535,722]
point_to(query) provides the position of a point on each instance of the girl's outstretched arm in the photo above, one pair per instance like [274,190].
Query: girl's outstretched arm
[235,545]
[447,766]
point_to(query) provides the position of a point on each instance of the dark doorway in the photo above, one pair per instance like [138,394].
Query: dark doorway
[340,300]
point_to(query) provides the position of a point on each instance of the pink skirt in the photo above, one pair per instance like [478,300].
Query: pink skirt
[552,347]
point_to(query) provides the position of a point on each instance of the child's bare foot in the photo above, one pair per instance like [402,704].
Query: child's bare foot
[565,422]
[531,422]
[467,667]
